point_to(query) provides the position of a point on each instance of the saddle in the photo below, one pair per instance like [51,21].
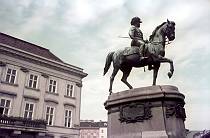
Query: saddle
[131,50]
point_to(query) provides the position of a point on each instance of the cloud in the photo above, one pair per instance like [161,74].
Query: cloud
[82,33]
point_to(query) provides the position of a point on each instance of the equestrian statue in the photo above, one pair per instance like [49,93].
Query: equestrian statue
[142,52]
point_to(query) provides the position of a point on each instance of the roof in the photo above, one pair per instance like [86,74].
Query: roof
[28,47]
[91,124]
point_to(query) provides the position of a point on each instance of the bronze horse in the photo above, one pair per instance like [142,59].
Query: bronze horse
[154,50]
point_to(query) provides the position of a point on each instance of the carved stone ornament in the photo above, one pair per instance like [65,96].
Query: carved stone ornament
[177,110]
[45,75]
[135,112]
[79,84]
[2,64]
[23,69]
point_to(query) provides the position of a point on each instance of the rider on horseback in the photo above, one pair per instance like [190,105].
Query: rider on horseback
[137,36]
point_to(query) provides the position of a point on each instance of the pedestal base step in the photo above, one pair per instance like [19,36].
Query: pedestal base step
[154,134]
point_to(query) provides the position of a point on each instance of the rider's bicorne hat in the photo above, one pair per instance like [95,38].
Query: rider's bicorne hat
[135,19]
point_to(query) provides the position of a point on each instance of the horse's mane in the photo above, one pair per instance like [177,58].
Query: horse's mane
[153,33]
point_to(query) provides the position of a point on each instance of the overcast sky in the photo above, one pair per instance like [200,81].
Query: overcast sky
[83,32]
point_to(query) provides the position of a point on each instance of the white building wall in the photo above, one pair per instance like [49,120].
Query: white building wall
[19,94]
[103,132]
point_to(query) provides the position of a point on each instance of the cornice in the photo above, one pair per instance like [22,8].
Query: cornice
[26,56]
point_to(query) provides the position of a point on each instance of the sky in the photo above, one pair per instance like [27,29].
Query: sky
[83,32]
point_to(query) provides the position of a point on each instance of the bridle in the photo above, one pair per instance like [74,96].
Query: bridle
[167,42]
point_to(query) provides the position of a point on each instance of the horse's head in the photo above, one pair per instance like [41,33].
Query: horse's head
[169,30]
[166,29]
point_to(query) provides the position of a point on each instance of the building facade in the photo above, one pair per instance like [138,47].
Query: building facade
[35,85]
[103,130]
[91,129]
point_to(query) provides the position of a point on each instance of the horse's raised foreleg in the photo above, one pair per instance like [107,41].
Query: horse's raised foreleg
[155,73]
[162,60]
[115,70]
[126,72]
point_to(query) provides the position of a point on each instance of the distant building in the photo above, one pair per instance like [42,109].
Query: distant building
[198,134]
[39,93]
[91,129]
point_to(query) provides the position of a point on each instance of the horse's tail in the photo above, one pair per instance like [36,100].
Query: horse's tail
[108,62]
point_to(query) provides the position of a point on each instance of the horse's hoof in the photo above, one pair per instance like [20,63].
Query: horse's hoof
[110,92]
[170,75]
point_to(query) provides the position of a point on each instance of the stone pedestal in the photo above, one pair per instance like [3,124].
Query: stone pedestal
[147,112]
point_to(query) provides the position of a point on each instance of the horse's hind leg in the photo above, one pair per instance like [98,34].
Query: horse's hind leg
[126,72]
[115,70]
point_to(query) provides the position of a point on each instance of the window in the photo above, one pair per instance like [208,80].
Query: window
[68,116]
[5,106]
[29,109]
[69,90]
[11,75]
[52,86]
[50,115]
[33,80]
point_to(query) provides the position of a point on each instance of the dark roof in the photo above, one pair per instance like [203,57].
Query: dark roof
[28,47]
[93,124]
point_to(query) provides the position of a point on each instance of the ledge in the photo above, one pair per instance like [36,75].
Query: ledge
[68,104]
[151,93]
[70,97]
[11,84]
[31,97]
[8,93]
[32,88]
[63,127]
[51,100]
[52,93]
